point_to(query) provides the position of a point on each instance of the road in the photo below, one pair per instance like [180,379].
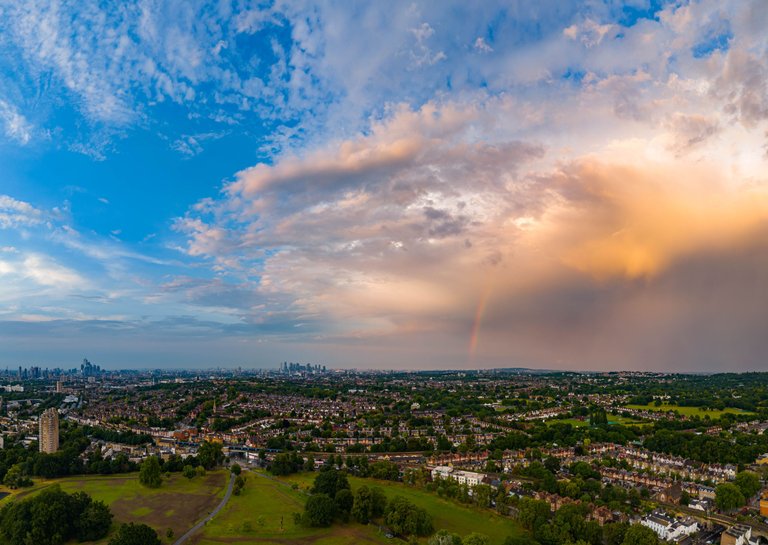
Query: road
[212,514]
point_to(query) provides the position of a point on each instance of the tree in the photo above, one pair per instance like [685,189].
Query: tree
[15,477]
[685,498]
[637,534]
[236,469]
[53,517]
[344,501]
[319,510]
[552,464]
[378,502]
[533,513]
[94,521]
[444,537]
[598,417]
[210,454]
[330,482]
[189,472]
[362,504]
[406,519]
[728,496]
[614,532]
[135,534]
[476,539]
[150,474]
[309,463]
[238,485]
[748,483]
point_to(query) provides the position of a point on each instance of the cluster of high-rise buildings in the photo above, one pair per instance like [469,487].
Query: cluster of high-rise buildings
[86,369]
[290,368]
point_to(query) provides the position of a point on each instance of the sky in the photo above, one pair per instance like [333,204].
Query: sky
[454,185]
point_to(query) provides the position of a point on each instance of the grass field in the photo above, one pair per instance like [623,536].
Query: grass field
[625,421]
[612,419]
[572,421]
[177,504]
[689,411]
[263,515]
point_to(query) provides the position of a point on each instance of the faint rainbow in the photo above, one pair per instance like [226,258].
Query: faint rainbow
[482,304]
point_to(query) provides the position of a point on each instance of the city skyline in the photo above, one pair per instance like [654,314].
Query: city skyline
[558,185]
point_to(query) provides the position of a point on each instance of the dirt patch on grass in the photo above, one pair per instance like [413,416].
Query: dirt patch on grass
[154,510]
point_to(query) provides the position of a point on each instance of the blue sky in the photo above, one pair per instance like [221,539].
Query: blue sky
[549,184]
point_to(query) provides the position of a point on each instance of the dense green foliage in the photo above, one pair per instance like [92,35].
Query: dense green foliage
[320,510]
[640,535]
[286,464]
[406,519]
[744,448]
[728,497]
[210,454]
[329,482]
[149,474]
[368,504]
[53,517]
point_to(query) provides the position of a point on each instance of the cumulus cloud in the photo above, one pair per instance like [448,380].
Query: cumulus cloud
[591,194]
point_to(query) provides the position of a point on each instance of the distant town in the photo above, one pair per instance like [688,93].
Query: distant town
[684,456]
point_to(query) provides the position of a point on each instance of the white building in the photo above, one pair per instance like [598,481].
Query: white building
[469,478]
[668,528]
[659,523]
[442,472]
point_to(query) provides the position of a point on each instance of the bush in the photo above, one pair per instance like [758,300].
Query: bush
[238,485]
[135,534]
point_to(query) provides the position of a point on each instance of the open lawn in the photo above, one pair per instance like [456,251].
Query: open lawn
[689,411]
[177,504]
[263,514]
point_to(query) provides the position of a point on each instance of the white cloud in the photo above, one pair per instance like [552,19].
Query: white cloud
[482,46]
[16,214]
[16,125]
[47,272]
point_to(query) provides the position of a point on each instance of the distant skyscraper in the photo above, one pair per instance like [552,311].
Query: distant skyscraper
[49,431]
[58,387]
